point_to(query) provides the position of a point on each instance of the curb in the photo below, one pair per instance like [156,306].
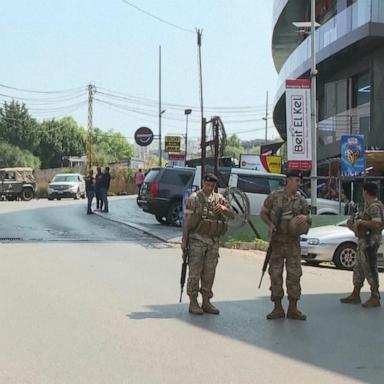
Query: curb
[131,225]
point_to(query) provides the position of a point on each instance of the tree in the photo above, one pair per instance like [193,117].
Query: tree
[59,138]
[17,127]
[233,147]
[13,156]
[110,146]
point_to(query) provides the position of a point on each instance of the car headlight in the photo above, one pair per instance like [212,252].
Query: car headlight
[313,241]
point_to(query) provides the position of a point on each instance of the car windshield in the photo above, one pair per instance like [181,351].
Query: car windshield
[60,178]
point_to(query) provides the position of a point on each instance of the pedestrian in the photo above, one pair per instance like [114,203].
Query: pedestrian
[90,190]
[367,226]
[98,178]
[139,180]
[104,187]
[286,214]
[205,220]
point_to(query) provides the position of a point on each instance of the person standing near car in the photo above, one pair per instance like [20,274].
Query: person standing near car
[90,190]
[104,187]
[367,226]
[139,180]
[98,178]
[286,214]
[205,220]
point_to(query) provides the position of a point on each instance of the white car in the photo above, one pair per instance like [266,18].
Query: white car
[334,243]
[66,185]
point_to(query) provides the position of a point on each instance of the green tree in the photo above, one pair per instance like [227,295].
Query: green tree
[13,156]
[110,146]
[233,147]
[17,127]
[59,138]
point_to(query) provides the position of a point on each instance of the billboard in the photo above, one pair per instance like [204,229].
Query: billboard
[298,110]
[352,155]
[266,164]
[172,144]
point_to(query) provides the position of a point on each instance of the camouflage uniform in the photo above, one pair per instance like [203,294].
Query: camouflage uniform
[206,229]
[285,246]
[363,270]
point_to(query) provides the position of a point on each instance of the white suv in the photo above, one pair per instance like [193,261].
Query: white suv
[66,185]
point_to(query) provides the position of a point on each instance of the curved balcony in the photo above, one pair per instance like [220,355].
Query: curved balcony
[346,28]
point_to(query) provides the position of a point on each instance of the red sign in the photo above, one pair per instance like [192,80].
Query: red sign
[176,156]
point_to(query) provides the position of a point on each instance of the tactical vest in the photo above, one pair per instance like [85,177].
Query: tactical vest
[205,221]
[363,231]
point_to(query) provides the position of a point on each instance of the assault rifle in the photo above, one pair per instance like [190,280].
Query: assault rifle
[183,271]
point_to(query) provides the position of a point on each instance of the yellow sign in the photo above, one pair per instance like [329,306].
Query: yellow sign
[274,164]
[172,144]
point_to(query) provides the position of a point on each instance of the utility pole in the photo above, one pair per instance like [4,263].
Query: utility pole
[160,111]
[187,112]
[266,120]
[203,121]
[313,112]
[91,90]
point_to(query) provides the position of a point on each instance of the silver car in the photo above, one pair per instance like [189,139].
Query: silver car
[332,243]
[66,185]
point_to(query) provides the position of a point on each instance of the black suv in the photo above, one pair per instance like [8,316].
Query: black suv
[162,193]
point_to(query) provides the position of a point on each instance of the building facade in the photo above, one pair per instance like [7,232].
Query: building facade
[350,64]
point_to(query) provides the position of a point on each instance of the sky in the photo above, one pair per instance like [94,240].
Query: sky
[53,49]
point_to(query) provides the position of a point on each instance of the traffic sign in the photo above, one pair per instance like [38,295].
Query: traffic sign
[143,136]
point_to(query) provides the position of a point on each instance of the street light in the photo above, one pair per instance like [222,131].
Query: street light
[186,113]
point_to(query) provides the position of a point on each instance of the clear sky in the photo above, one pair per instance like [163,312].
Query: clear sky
[55,45]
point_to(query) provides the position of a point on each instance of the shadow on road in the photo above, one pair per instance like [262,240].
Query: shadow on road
[346,339]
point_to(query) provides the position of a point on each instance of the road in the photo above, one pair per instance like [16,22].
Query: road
[97,302]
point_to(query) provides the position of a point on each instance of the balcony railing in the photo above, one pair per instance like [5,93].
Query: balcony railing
[360,13]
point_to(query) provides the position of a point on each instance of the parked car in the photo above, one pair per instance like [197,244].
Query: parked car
[17,183]
[332,243]
[258,185]
[162,193]
[66,185]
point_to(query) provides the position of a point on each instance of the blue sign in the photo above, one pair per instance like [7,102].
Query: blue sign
[352,155]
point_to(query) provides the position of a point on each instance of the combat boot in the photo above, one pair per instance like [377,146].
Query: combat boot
[194,306]
[209,307]
[372,302]
[293,312]
[278,311]
[353,298]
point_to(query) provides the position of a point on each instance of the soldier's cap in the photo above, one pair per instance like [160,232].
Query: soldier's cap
[210,177]
[294,173]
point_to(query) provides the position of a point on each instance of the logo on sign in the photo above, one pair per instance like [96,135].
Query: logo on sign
[143,136]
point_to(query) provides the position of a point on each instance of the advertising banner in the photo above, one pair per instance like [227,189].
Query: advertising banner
[266,164]
[298,108]
[352,155]
[172,144]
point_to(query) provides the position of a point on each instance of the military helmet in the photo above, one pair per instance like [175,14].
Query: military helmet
[295,229]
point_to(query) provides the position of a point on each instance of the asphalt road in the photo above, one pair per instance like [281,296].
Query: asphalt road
[108,312]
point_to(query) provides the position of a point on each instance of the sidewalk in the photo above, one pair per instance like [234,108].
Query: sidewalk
[124,210]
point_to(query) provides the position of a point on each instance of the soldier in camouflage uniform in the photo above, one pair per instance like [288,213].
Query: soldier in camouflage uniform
[285,209]
[204,222]
[367,226]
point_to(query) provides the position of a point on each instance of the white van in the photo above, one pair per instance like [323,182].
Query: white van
[258,185]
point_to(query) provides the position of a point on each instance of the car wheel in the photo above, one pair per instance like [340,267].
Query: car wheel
[77,196]
[50,198]
[138,203]
[161,220]
[173,216]
[345,256]
[58,198]
[27,194]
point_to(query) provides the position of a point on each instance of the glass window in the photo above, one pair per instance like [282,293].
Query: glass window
[361,89]
[253,184]
[151,176]
[176,177]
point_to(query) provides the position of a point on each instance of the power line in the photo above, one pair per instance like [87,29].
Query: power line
[157,17]
[43,92]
